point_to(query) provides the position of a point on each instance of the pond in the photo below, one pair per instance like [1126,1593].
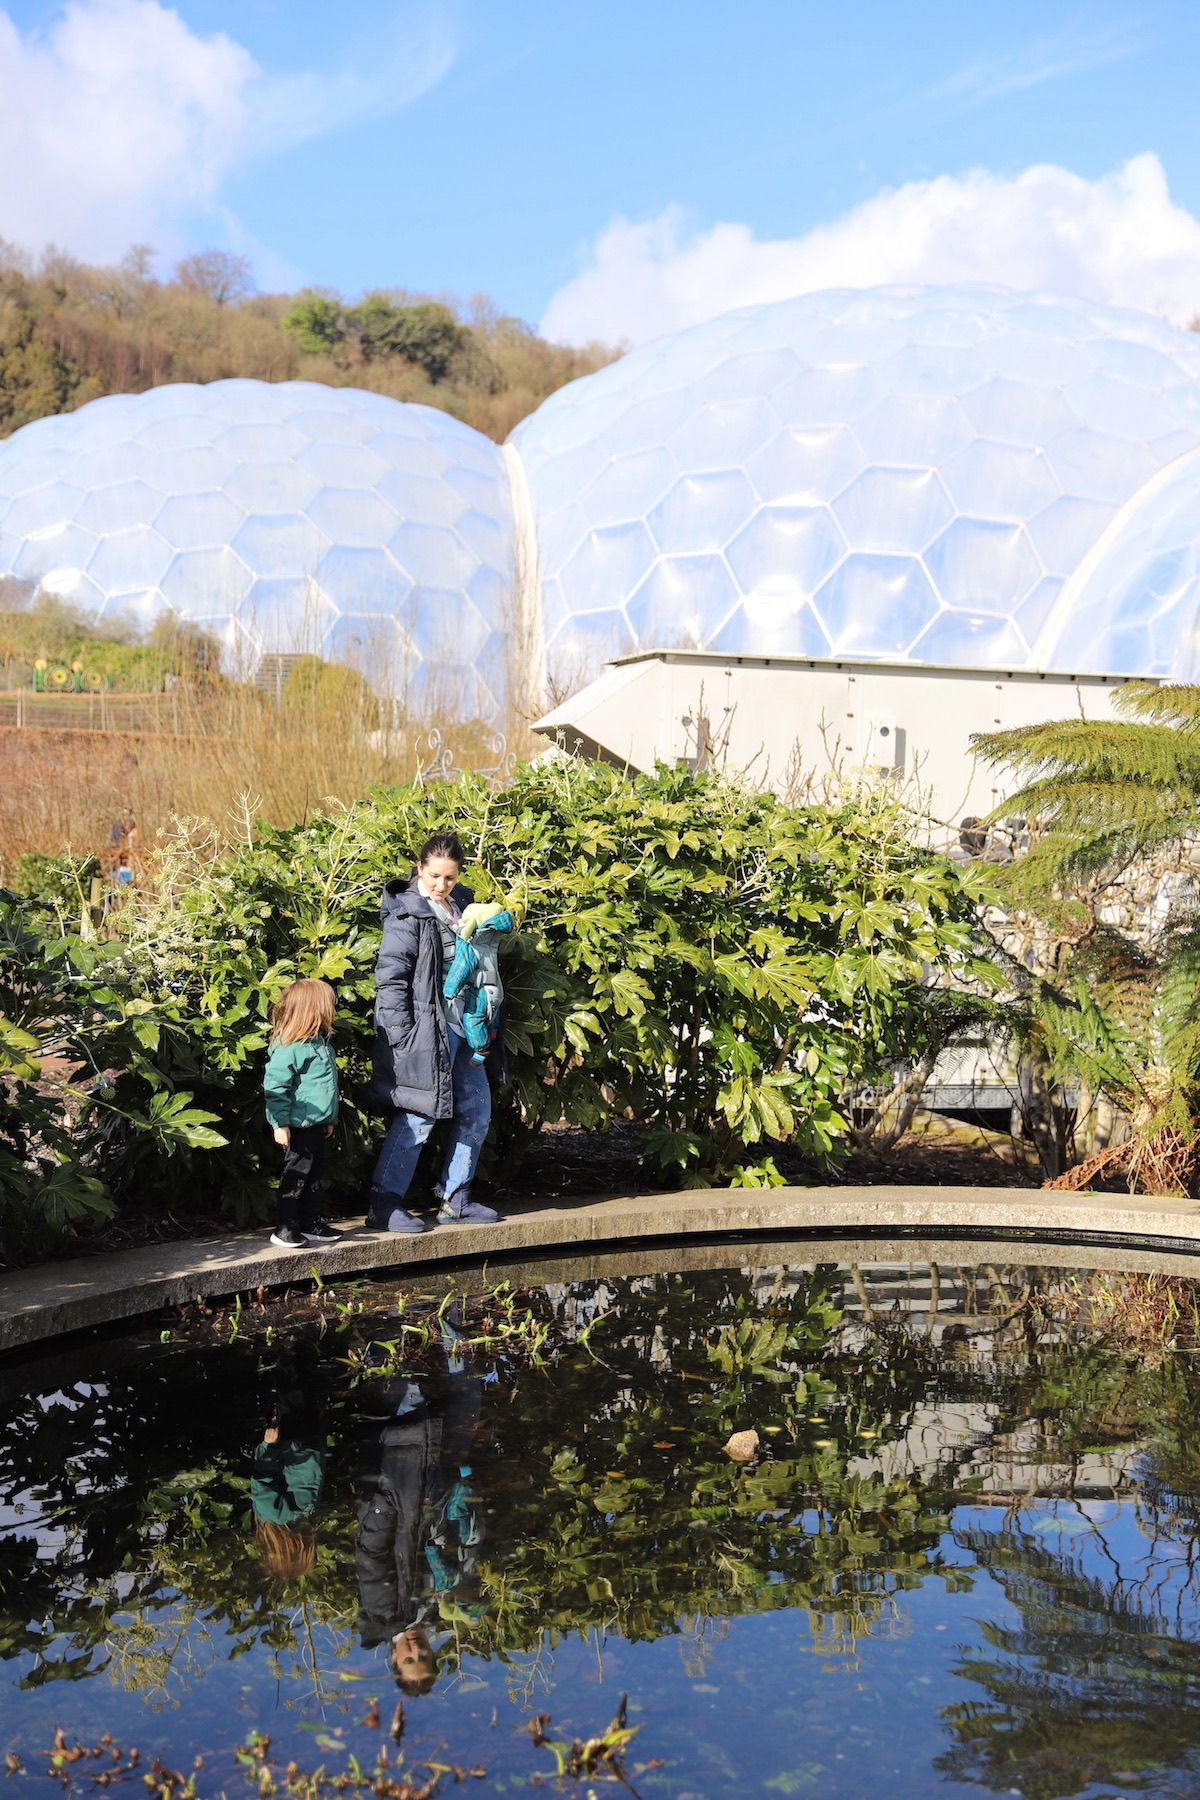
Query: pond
[407,1538]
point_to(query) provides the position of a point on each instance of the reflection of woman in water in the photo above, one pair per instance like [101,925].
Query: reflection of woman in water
[419,1522]
[289,1473]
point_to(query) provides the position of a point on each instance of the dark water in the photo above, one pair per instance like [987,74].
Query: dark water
[964,1559]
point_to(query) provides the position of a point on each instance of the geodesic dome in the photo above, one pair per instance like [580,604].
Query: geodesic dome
[901,472]
[1134,601]
[965,476]
[284,518]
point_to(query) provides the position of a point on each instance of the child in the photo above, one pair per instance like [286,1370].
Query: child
[301,1088]
[289,1472]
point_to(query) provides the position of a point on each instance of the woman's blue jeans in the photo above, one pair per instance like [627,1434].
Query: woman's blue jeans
[408,1132]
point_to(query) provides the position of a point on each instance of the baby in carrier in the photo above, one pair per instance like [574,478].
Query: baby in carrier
[473,978]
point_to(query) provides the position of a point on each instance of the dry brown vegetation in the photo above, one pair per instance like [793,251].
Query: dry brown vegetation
[223,755]
[70,332]
[223,751]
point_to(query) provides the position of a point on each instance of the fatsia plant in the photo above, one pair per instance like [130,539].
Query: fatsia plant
[42,1183]
[68,1037]
[713,964]
[717,966]
[1104,901]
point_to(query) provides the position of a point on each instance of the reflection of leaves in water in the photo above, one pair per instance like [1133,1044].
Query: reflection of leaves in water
[612,1508]
[1093,1685]
[144,1481]
[595,1523]
[682,1531]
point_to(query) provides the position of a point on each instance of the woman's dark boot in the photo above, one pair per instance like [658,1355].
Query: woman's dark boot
[460,1209]
[385,1212]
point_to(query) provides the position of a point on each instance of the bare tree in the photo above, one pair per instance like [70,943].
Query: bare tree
[125,287]
[220,274]
[137,264]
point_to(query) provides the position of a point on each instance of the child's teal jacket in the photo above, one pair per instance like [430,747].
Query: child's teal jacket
[286,1482]
[301,1084]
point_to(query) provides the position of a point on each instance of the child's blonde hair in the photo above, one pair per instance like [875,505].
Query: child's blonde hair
[302,1012]
[288,1551]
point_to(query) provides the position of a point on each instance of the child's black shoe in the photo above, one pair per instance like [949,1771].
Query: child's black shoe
[320,1233]
[288,1238]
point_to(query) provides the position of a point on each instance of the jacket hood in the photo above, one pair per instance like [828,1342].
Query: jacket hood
[399,897]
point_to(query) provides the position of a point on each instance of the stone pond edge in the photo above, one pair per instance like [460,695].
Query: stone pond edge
[56,1298]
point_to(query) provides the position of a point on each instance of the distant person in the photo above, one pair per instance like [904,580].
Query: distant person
[424,1067]
[420,1523]
[122,875]
[972,840]
[122,839]
[301,1088]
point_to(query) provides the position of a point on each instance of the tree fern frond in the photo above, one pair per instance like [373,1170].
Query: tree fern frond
[1173,703]
[1097,750]
[1121,977]
[1085,801]
[1062,862]
[1036,885]
[1101,1027]
[1179,1000]
[1081,1038]
[1110,959]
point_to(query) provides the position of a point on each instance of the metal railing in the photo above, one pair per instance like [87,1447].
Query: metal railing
[27,711]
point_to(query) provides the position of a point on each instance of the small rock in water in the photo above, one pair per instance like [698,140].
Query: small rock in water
[742,1446]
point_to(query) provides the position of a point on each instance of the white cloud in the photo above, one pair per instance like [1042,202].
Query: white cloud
[118,123]
[395,68]
[1119,239]
[1057,57]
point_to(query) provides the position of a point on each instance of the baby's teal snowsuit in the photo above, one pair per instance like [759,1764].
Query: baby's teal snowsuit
[473,977]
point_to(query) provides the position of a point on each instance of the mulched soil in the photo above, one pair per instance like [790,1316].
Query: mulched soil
[915,1162]
[568,1164]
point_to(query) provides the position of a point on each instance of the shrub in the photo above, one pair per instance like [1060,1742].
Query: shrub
[713,964]
[319,688]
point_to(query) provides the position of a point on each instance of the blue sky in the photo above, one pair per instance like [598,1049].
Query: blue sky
[574,160]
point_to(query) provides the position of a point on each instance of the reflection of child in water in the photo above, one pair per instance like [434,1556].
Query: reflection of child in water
[419,1524]
[287,1478]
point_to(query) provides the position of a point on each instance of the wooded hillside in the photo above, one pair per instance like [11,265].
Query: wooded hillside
[70,332]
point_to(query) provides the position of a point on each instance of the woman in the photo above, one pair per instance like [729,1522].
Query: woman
[422,1063]
[420,1524]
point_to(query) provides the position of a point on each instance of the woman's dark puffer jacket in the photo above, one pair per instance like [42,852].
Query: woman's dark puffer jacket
[411,1062]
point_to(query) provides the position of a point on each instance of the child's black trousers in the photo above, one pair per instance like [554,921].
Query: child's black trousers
[303,1161]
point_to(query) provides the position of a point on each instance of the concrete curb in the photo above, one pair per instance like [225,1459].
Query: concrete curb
[44,1302]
